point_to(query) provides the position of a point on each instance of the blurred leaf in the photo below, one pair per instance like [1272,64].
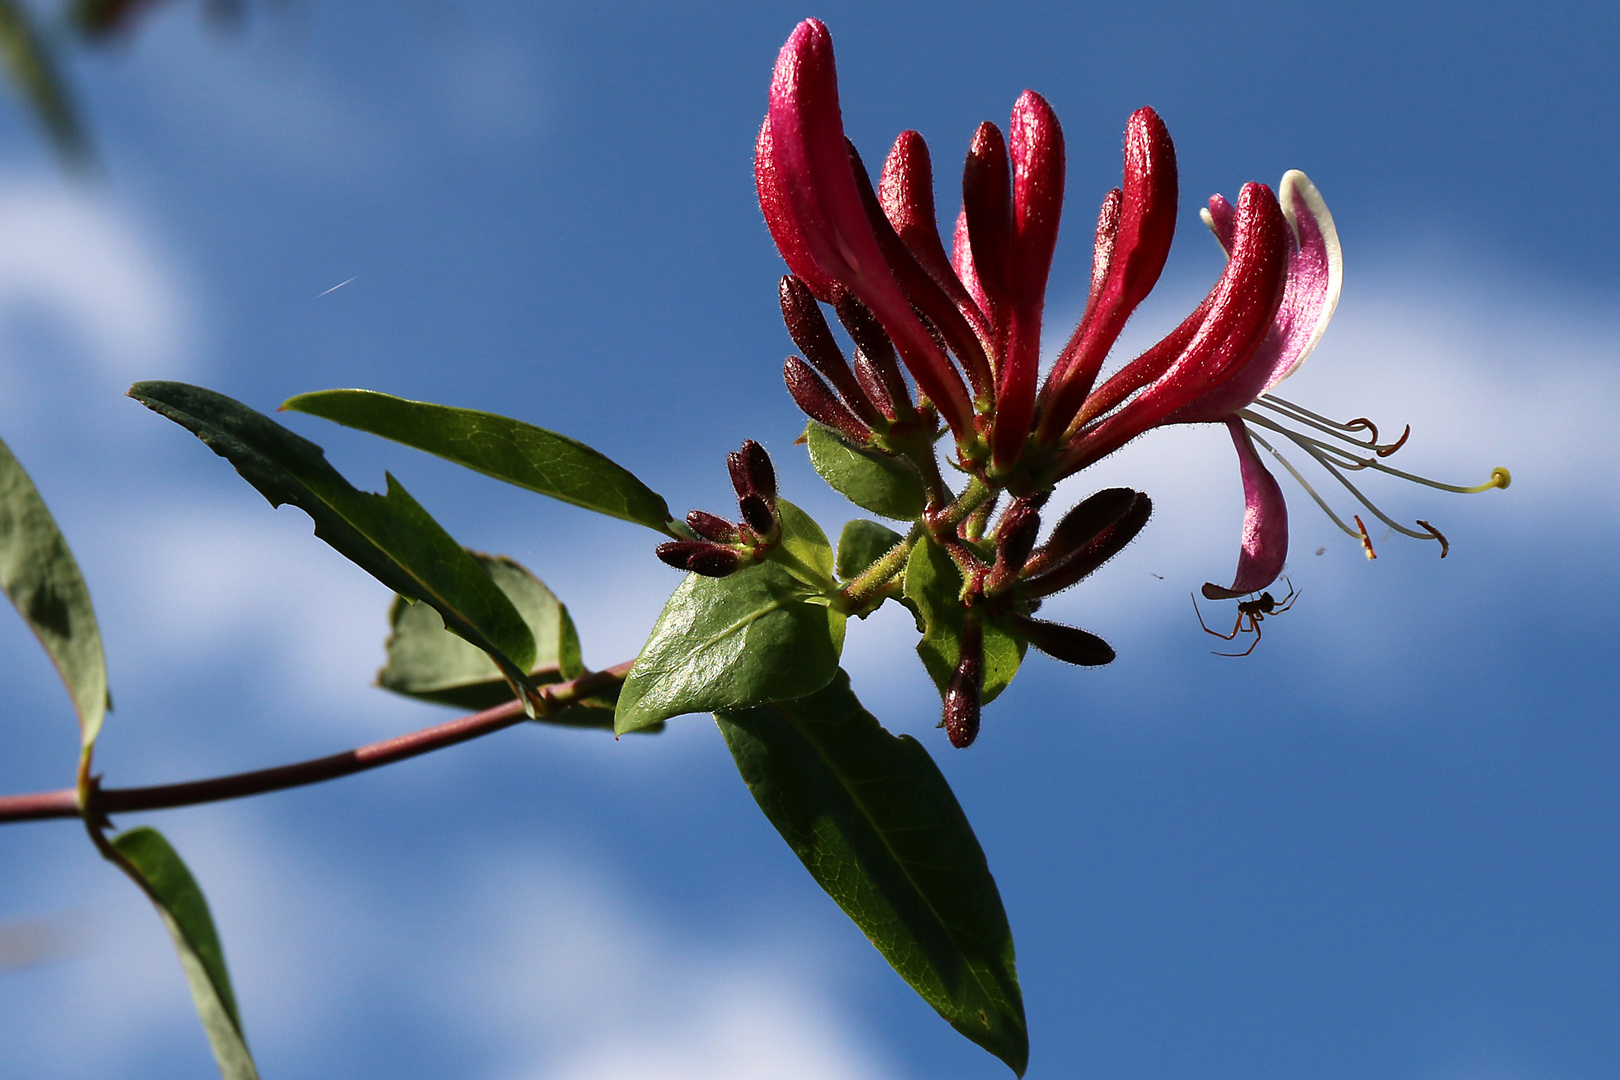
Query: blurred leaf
[872,480]
[33,70]
[746,639]
[861,544]
[38,573]
[428,662]
[389,536]
[877,826]
[804,540]
[147,858]
[934,586]
[510,450]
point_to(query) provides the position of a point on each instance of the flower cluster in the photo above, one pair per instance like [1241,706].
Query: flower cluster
[965,325]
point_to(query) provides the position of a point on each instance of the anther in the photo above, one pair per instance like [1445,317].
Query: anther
[1445,545]
[1366,541]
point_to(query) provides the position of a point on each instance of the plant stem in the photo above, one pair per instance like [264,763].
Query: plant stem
[856,595]
[554,697]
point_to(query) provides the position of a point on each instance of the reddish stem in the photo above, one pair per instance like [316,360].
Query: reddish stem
[40,805]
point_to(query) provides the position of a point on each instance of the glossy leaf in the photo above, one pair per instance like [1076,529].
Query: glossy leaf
[861,544]
[872,480]
[33,71]
[877,826]
[511,450]
[934,586]
[389,536]
[38,573]
[804,540]
[153,864]
[428,662]
[755,636]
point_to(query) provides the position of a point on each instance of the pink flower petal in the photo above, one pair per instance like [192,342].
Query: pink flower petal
[1265,523]
[1147,223]
[812,171]
[1315,276]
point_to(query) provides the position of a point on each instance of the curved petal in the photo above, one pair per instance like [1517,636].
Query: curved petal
[1315,277]
[1265,523]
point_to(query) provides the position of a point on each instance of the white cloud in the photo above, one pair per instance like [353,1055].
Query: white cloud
[88,266]
[569,979]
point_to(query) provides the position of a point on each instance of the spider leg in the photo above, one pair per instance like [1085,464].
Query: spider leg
[1254,624]
[1288,601]
[1216,633]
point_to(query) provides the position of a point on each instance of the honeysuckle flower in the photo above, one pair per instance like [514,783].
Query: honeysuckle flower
[967,324]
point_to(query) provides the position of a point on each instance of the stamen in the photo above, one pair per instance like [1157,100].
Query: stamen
[1343,431]
[1320,502]
[1500,477]
[1320,452]
[1366,541]
[1385,451]
[1445,545]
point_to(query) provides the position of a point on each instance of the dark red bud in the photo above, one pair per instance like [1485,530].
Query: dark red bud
[1067,643]
[962,706]
[712,527]
[1016,535]
[714,562]
[758,513]
[1088,536]
[987,202]
[699,556]
[819,403]
[808,328]
[873,344]
[872,385]
[751,471]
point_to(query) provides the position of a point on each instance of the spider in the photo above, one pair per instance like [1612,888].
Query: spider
[1251,613]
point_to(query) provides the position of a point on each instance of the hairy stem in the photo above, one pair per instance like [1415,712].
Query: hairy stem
[553,698]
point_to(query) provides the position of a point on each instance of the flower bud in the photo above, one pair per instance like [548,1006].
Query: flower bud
[759,514]
[751,471]
[1015,536]
[962,706]
[1067,643]
[712,527]
[1088,536]
[700,557]
[808,328]
[819,403]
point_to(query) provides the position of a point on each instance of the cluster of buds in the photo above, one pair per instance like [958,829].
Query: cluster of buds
[724,546]
[1022,575]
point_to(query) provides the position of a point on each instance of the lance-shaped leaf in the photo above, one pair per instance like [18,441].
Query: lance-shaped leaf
[389,536]
[154,865]
[428,662]
[38,573]
[934,586]
[875,823]
[871,479]
[511,450]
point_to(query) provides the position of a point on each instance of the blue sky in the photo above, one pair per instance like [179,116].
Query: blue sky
[1381,846]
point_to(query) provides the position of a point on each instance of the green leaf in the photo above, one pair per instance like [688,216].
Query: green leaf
[152,863]
[38,573]
[934,587]
[875,823]
[755,636]
[33,70]
[426,661]
[507,449]
[803,540]
[861,544]
[872,480]
[389,536]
